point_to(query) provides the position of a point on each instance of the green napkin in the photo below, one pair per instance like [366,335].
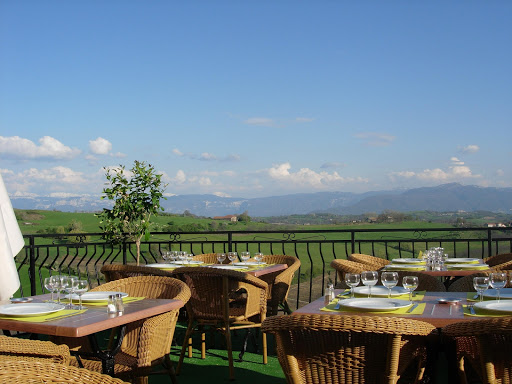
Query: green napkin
[48,317]
[467,312]
[473,267]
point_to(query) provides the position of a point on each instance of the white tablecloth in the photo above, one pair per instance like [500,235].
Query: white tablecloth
[11,243]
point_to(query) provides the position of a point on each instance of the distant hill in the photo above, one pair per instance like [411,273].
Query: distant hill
[447,197]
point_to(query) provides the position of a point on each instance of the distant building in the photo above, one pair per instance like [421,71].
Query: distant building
[232,218]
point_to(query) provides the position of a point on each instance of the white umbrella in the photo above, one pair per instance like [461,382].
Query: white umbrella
[11,242]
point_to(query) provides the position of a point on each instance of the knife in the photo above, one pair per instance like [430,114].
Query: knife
[337,306]
[476,296]
[472,310]
[412,308]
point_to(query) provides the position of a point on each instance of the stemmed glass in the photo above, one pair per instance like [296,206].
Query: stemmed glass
[258,256]
[67,286]
[410,283]
[80,287]
[389,280]
[182,256]
[232,256]
[369,278]
[57,285]
[221,257]
[481,284]
[49,284]
[352,280]
[498,280]
[245,256]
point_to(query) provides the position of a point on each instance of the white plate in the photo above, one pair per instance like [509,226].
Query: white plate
[167,265]
[227,266]
[380,290]
[96,296]
[408,261]
[504,306]
[505,293]
[30,309]
[374,305]
[191,262]
[249,263]
[460,260]
[405,266]
[468,266]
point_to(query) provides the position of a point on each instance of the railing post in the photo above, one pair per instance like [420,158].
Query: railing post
[230,241]
[124,252]
[32,265]
[353,241]
[489,242]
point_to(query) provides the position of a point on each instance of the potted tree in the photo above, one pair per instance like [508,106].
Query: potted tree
[136,197]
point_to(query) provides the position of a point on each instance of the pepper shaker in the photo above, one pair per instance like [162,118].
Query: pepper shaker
[111,306]
[119,304]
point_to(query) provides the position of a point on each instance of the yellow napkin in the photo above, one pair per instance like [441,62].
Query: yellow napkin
[49,317]
[420,255]
[402,267]
[471,295]
[467,312]
[126,300]
[463,262]
[400,311]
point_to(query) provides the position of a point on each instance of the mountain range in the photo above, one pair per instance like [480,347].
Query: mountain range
[443,198]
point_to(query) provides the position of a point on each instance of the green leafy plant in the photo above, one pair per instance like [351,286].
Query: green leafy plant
[136,195]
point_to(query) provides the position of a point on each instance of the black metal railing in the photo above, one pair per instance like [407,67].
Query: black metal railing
[84,254]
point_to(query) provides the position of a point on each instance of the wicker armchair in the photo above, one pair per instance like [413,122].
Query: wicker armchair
[348,349]
[147,342]
[121,271]
[37,372]
[482,347]
[210,258]
[279,282]
[465,283]
[225,300]
[498,259]
[373,262]
[343,266]
[13,348]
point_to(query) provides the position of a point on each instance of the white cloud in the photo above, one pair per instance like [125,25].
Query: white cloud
[16,147]
[456,161]
[308,177]
[100,146]
[177,152]
[455,172]
[374,139]
[470,149]
[221,194]
[304,120]
[206,156]
[263,121]
[499,172]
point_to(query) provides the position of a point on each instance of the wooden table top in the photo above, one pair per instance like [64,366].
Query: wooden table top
[268,269]
[95,319]
[440,317]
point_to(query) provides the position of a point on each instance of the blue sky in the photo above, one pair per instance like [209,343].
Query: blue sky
[255,98]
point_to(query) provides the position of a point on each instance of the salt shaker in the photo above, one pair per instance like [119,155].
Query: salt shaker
[119,304]
[111,306]
[329,294]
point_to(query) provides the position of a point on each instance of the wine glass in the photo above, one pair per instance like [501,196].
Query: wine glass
[389,280]
[369,278]
[182,256]
[57,285]
[481,284]
[221,257]
[49,284]
[352,280]
[410,283]
[80,287]
[498,280]
[258,256]
[245,256]
[67,286]
[232,256]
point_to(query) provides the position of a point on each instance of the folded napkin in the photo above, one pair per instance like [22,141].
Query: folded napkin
[404,267]
[473,267]
[463,262]
[126,300]
[400,311]
[48,317]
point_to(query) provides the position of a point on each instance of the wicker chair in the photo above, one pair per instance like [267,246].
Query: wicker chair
[343,266]
[37,372]
[375,263]
[209,258]
[465,283]
[13,348]
[146,343]
[225,300]
[279,282]
[482,348]
[498,259]
[114,272]
[348,349]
